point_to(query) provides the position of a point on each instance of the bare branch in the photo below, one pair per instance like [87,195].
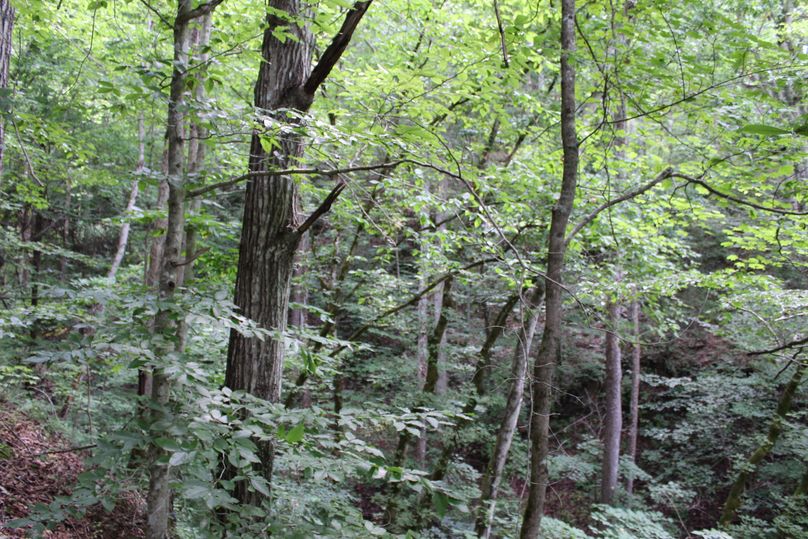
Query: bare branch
[338,45]
[324,208]
[798,343]
[716,192]
[501,30]
[290,171]
[627,196]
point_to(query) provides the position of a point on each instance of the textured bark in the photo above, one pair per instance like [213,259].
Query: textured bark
[6,38]
[268,239]
[158,498]
[634,406]
[614,412]
[270,225]
[499,456]
[123,236]
[738,488]
[550,348]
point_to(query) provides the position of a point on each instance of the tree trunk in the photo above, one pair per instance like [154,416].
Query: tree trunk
[421,359]
[123,237]
[775,429]
[496,464]
[268,240]
[550,348]
[6,38]
[158,499]
[614,411]
[270,233]
[634,406]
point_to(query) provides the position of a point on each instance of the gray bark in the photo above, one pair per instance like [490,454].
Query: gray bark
[123,236]
[513,406]
[550,348]
[158,498]
[614,413]
[634,406]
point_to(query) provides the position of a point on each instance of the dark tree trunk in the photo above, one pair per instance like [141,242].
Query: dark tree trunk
[270,225]
[6,36]
[550,348]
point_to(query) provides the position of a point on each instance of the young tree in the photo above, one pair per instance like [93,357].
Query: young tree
[550,348]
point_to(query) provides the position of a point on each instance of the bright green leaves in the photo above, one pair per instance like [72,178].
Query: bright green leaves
[766,130]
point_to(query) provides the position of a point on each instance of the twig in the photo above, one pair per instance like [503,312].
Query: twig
[501,30]
[68,450]
[25,154]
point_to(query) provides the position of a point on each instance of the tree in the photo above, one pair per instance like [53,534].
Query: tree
[550,347]
[271,228]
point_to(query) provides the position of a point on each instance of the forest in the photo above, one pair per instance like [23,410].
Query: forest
[404,268]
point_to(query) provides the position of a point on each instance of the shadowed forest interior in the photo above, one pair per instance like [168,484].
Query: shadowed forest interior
[404,268]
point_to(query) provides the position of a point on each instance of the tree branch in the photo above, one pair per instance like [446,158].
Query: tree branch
[199,11]
[608,204]
[324,208]
[733,198]
[793,344]
[338,45]
[308,171]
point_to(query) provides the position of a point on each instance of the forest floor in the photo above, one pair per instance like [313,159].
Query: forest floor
[35,469]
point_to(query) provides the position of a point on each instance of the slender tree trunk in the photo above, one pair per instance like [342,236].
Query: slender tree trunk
[736,492]
[158,499]
[634,406]
[550,348]
[510,417]
[430,388]
[421,358]
[123,236]
[614,412]
[483,362]
[6,38]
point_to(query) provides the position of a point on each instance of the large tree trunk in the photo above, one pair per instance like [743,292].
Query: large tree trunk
[496,464]
[775,430]
[614,412]
[6,38]
[550,348]
[634,406]
[270,224]
[268,240]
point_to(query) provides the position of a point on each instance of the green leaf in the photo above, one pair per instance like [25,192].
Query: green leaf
[167,444]
[441,502]
[766,130]
[296,434]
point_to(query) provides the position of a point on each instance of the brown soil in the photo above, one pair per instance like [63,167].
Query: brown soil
[32,472]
